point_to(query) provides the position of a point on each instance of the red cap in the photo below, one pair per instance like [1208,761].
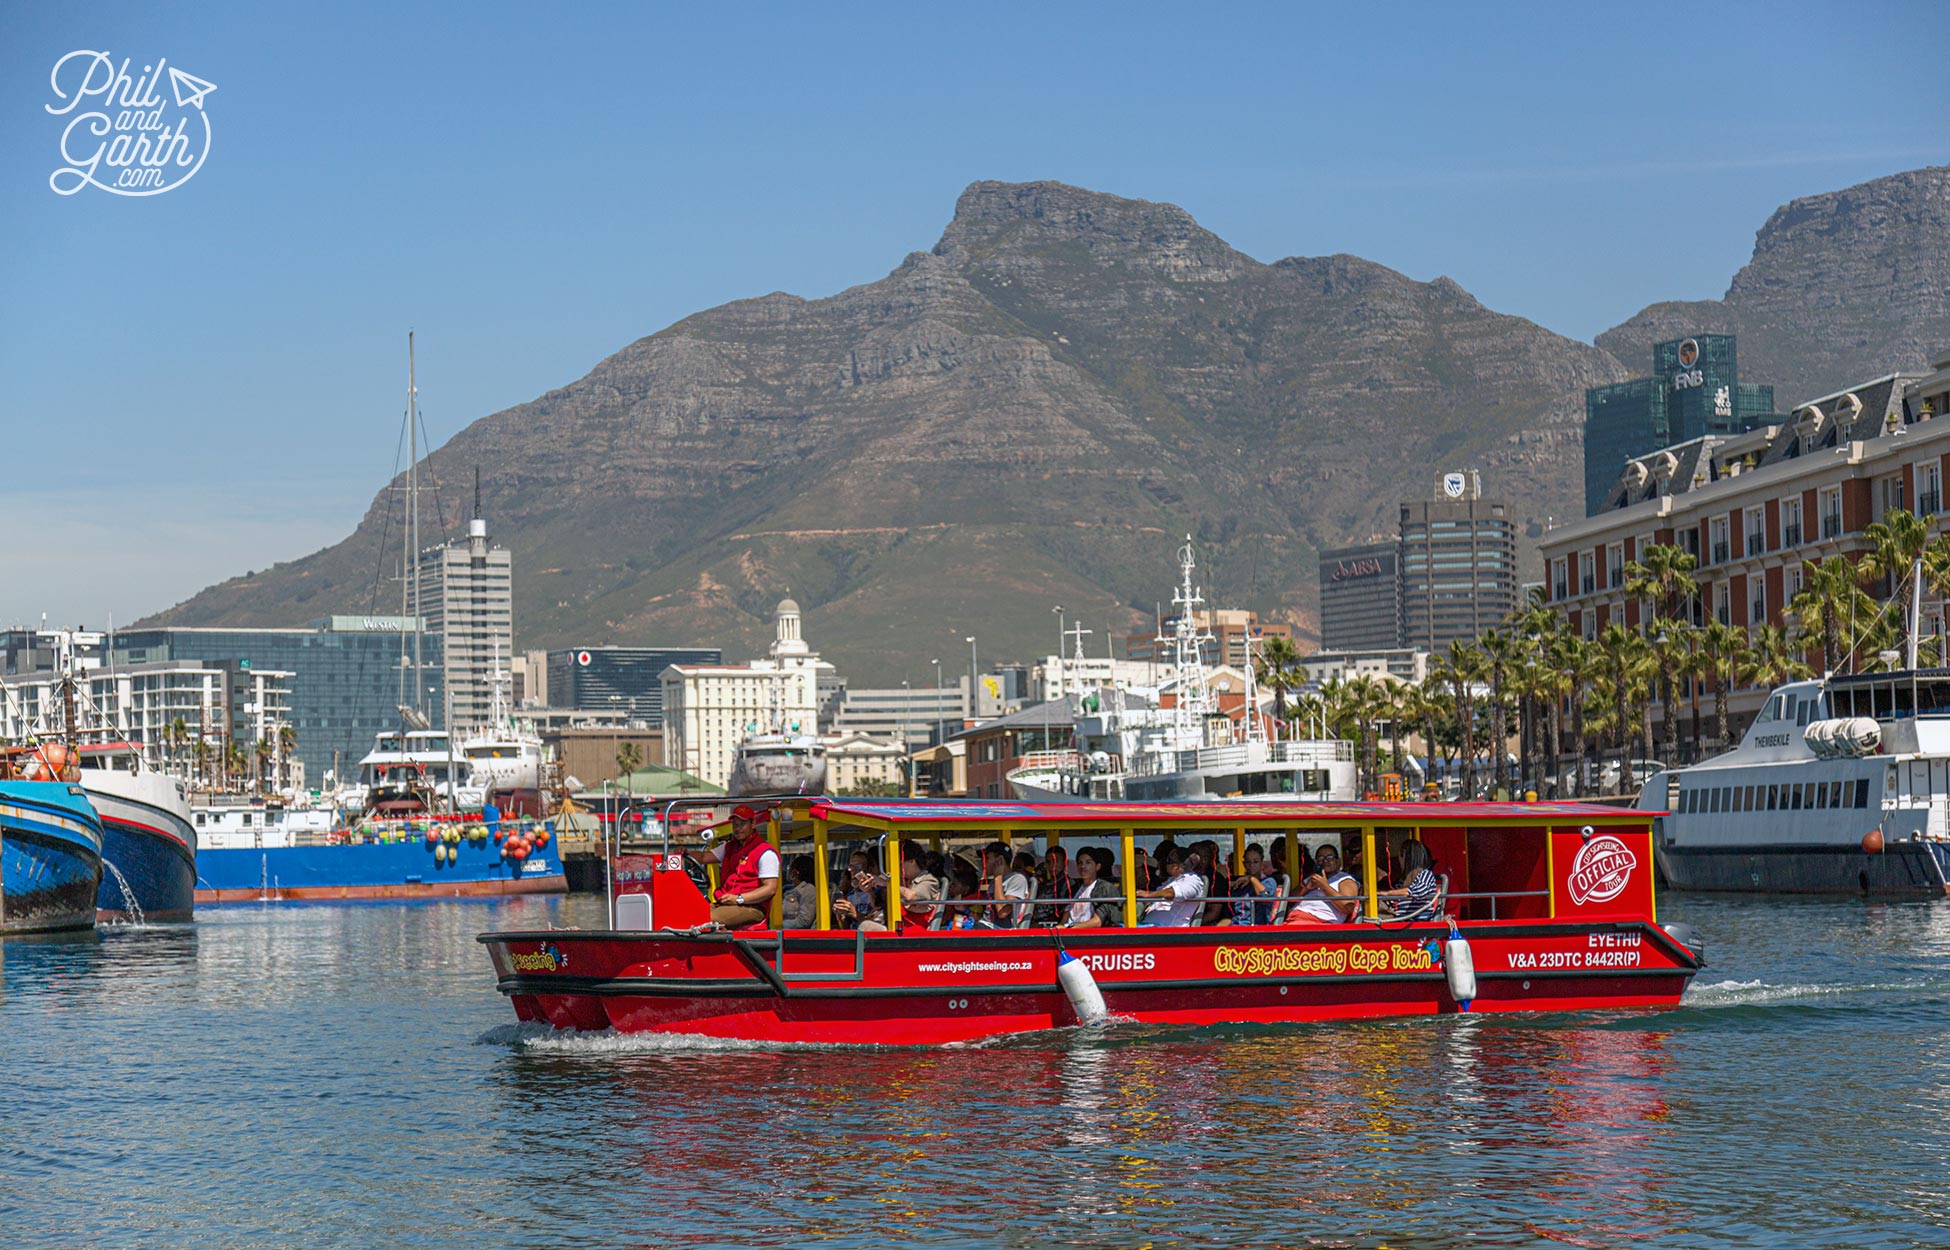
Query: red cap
[743,812]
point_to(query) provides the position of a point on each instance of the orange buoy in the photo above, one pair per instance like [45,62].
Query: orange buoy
[1872,842]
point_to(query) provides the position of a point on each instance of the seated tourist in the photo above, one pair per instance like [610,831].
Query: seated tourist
[1330,895]
[1180,897]
[1003,881]
[1257,888]
[1415,900]
[1095,904]
[748,872]
[799,909]
[964,883]
[919,888]
[1217,910]
[1054,878]
[859,882]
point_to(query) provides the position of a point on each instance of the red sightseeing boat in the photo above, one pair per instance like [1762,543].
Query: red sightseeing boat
[1544,907]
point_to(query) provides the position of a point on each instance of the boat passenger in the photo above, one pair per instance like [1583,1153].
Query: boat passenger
[1218,884]
[1057,887]
[965,883]
[859,877]
[799,909]
[872,917]
[748,872]
[1258,882]
[1331,896]
[1180,896]
[1416,899]
[919,889]
[1095,904]
[1005,882]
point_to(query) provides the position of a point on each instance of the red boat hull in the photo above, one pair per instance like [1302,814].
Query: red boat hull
[933,987]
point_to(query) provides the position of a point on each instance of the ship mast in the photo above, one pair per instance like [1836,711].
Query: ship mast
[413,514]
[1188,641]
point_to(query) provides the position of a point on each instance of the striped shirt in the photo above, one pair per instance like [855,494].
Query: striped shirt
[1420,901]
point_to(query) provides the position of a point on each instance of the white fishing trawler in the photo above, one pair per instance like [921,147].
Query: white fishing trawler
[505,754]
[776,757]
[1126,746]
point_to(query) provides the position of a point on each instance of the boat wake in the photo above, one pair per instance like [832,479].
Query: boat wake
[1722,994]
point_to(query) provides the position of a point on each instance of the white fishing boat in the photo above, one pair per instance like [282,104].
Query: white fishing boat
[776,756]
[1127,746]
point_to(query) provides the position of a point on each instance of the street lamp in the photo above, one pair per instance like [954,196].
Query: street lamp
[937,698]
[974,705]
[907,743]
[1057,675]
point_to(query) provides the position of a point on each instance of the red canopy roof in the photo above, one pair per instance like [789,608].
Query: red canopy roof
[1224,812]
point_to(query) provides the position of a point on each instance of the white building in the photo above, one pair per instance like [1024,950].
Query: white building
[903,710]
[1060,676]
[467,597]
[217,704]
[708,709]
[1405,664]
[854,759]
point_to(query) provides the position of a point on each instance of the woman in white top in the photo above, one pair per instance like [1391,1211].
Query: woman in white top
[1181,896]
[1094,905]
[1332,896]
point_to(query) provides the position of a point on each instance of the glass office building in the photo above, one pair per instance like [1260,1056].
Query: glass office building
[626,679]
[346,683]
[1458,565]
[1694,390]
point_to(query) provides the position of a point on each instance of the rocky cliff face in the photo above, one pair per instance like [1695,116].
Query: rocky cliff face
[1034,412]
[1842,287]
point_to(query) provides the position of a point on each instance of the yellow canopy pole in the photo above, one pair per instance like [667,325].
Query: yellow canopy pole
[821,885]
[1370,876]
[1052,839]
[776,908]
[1239,850]
[1293,862]
[1550,871]
[1129,848]
[893,870]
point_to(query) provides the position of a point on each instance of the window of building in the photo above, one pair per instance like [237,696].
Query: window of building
[1757,605]
[1756,527]
[1615,565]
[1718,527]
[1721,605]
[1791,522]
[1929,488]
[1828,505]
[1587,573]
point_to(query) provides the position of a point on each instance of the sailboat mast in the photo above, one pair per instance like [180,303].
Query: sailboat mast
[413,514]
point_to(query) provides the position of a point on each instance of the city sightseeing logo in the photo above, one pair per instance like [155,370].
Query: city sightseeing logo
[124,135]
[1600,870]
[548,958]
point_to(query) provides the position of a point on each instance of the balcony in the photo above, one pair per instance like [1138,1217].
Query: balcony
[1831,525]
[1617,578]
[1560,591]
[1720,552]
[1928,502]
[1590,584]
[1791,534]
[1756,544]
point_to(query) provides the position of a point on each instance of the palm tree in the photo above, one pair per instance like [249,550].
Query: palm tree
[287,747]
[1724,656]
[1280,671]
[1499,652]
[262,750]
[1773,657]
[629,758]
[175,735]
[1422,704]
[1832,611]
[201,754]
[1614,691]
[1462,668]
[1673,653]
[235,760]
[1663,574]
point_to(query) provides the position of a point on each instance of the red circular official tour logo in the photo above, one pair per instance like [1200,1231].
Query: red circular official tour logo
[1600,871]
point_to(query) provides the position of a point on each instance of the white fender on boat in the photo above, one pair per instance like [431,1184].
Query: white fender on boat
[1460,966]
[1081,989]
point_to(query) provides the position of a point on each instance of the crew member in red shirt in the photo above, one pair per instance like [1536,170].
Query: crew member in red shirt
[748,872]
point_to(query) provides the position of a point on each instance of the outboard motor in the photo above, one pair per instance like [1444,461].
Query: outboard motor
[1688,937]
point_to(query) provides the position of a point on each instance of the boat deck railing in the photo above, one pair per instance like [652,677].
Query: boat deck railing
[1315,754]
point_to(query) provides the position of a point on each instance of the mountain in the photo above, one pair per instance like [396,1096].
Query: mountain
[1034,412]
[1842,288]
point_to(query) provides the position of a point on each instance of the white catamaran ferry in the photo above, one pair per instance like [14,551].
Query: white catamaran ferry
[1841,786]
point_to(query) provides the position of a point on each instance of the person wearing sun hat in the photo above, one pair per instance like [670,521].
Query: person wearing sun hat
[748,871]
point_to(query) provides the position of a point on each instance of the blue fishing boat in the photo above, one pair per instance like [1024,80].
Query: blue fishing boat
[148,841]
[425,858]
[50,857]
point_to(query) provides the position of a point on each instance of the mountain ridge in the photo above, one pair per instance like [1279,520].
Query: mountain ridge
[1033,411]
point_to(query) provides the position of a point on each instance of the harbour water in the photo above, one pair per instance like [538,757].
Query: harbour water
[345,1075]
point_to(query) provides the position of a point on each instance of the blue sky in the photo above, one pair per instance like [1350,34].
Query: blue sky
[201,382]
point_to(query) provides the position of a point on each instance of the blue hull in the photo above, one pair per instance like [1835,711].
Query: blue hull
[159,871]
[50,857]
[371,870]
